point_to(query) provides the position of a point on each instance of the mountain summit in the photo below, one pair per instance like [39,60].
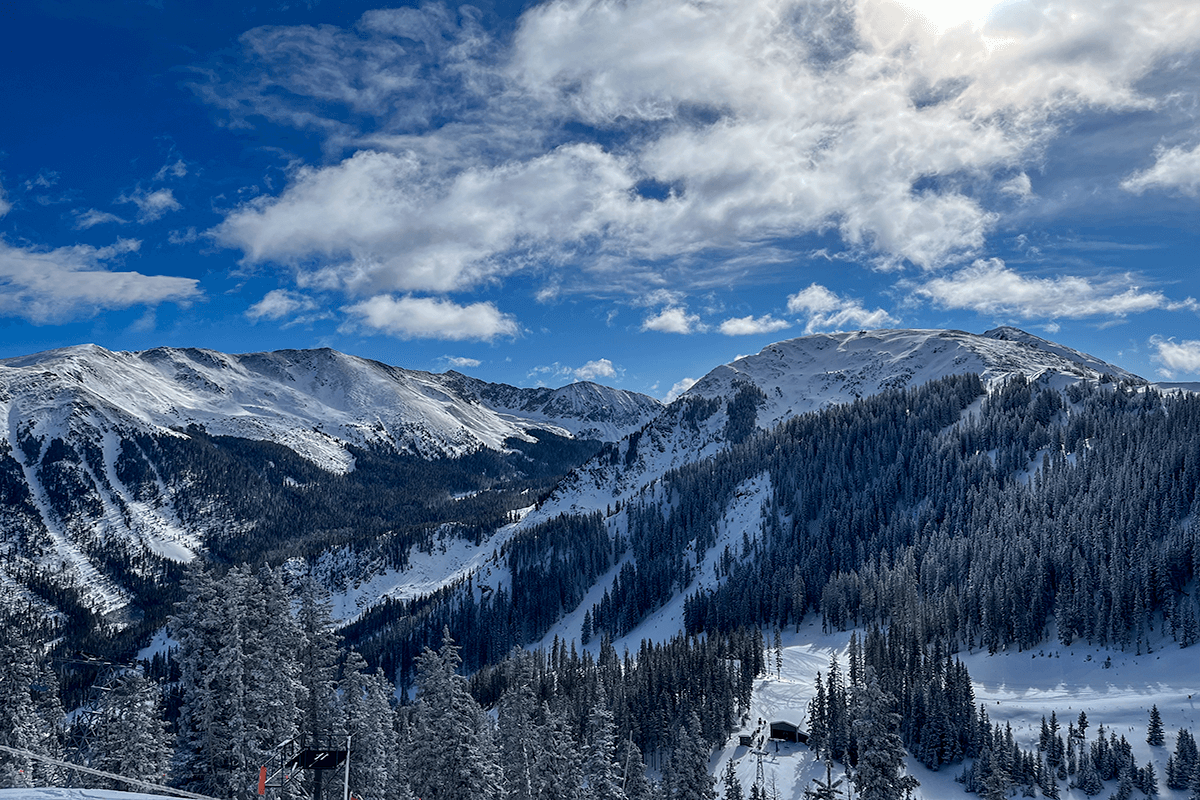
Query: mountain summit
[809,373]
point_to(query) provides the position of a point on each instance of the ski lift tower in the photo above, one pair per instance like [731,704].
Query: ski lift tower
[293,756]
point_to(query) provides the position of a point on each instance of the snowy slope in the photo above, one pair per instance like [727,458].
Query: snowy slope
[74,425]
[312,401]
[815,372]
[811,373]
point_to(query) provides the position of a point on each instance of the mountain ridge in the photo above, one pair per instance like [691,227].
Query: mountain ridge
[808,373]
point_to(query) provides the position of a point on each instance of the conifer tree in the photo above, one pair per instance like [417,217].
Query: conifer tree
[685,775]
[453,755]
[130,737]
[879,772]
[635,785]
[520,743]
[374,756]
[1154,731]
[29,712]
[600,769]
[730,783]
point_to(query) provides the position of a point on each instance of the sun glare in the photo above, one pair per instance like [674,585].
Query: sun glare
[947,14]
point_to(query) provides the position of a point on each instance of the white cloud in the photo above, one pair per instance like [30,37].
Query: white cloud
[175,170]
[1176,356]
[461,362]
[93,217]
[1174,168]
[827,310]
[74,283]
[757,121]
[990,287]
[601,368]
[390,222]
[280,303]
[679,388]
[1019,187]
[673,319]
[745,326]
[151,205]
[411,317]
[5,205]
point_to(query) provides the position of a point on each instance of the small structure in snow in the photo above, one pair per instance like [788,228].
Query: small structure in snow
[787,732]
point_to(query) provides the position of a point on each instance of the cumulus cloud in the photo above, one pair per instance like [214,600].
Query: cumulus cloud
[1176,356]
[75,283]
[601,368]
[991,287]
[462,362]
[411,317]
[827,310]
[673,319]
[746,326]
[742,125]
[679,388]
[5,205]
[281,304]
[1174,168]
[151,205]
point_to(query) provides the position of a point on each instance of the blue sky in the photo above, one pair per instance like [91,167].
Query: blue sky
[631,191]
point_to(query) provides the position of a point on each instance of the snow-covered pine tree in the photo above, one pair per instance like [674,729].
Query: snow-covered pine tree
[635,784]
[559,768]
[730,783]
[519,740]
[369,721]
[453,753]
[130,737]
[29,712]
[1154,730]
[199,628]
[685,775]
[1183,764]
[272,666]
[320,722]
[879,772]
[600,768]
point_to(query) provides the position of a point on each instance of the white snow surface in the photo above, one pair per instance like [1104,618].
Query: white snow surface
[815,372]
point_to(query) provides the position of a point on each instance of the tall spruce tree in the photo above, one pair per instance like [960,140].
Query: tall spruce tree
[1154,730]
[878,774]
[685,775]
[453,753]
[130,737]
[29,712]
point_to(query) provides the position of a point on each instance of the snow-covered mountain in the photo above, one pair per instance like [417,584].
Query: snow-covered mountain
[810,373]
[314,402]
[102,457]
[113,463]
